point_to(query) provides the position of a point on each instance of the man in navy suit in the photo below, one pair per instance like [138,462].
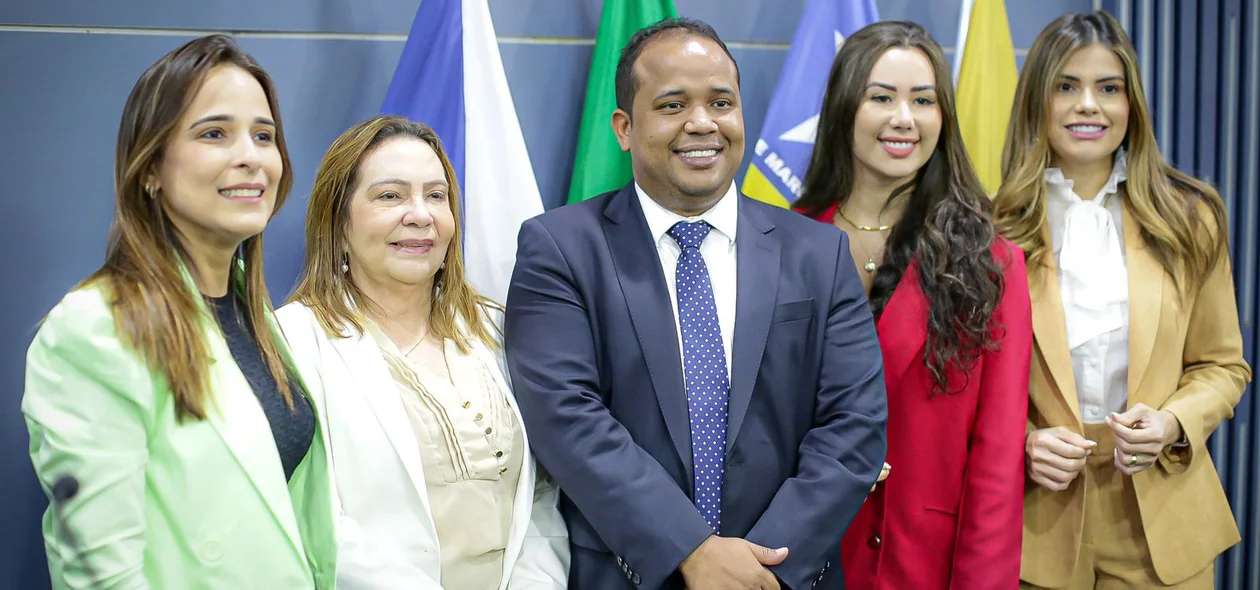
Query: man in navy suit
[697,370]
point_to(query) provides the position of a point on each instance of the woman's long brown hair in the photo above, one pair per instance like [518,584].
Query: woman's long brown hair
[945,225]
[328,291]
[155,311]
[1167,204]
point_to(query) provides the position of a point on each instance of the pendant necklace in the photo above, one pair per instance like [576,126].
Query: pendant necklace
[870,265]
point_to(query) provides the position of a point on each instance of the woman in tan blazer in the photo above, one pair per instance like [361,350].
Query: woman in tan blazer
[1138,353]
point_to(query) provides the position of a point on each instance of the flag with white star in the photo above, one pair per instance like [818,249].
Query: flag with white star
[781,155]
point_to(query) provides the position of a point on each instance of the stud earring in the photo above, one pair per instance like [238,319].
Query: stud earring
[345,267]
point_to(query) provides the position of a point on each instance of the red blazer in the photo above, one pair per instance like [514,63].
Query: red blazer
[950,514]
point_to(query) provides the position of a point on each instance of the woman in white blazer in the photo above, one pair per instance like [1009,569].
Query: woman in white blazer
[433,477]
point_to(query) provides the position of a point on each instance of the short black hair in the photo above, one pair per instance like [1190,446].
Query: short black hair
[627,84]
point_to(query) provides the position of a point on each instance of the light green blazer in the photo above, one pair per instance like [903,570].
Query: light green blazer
[165,505]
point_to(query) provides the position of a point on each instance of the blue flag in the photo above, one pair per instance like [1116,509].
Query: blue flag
[781,154]
[450,77]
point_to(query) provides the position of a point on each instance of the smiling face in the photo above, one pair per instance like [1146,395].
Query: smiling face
[1089,110]
[220,171]
[898,121]
[686,135]
[401,222]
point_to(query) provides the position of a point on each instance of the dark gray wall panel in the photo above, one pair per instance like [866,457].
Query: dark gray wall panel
[546,18]
[336,16]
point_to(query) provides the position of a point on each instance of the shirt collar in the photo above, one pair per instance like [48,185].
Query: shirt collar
[723,216]
[1119,173]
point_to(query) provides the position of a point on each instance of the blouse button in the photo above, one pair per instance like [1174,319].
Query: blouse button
[489,430]
[498,453]
[502,470]
[477,417]
[466,404]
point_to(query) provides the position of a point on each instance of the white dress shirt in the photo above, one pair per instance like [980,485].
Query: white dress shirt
[718,250]
[1093,281]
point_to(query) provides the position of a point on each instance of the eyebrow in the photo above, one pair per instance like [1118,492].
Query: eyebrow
[228,118]
[1103,79]
[384,181]
[891,88]
[680,92]
[435,183]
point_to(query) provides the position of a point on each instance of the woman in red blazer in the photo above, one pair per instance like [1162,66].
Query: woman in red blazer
[952,309]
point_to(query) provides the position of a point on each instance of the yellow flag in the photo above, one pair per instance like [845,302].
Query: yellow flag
[986,86]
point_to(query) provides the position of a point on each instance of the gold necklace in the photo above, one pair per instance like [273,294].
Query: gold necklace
[417,344]
[840,211]
[870,265]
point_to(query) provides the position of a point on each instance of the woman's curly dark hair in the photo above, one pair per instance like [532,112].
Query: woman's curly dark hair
[945,227]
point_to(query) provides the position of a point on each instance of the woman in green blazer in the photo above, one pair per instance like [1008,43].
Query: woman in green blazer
[178,447]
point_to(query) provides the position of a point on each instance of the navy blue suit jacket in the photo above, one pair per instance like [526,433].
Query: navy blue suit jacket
[593,353]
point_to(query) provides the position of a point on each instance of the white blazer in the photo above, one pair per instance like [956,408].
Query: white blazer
[385,531]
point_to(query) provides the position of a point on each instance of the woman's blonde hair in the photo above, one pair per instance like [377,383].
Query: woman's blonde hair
[156,313]
[458,310]
[1168,205]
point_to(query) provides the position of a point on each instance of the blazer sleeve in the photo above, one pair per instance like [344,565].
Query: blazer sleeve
[639,511]
[544,560]
[991,515]
[1215,372]
[89,405]
[842,455]
[364,562]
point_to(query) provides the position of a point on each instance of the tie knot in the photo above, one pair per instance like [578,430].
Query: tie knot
[690,235]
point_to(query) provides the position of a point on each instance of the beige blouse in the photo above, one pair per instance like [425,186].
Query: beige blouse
[472,448]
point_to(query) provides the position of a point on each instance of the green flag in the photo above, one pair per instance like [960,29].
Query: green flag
[600,165]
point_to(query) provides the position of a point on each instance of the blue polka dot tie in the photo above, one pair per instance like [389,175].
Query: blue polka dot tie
[704,369]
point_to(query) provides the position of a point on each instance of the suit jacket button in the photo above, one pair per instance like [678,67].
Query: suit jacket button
[874,542]
[635,578]
[212,551]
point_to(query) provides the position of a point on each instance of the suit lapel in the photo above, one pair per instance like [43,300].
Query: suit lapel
[757,262]
[904,321]
[366,367]
[638,270]
[1146,294]
[243,426]
[1050,329]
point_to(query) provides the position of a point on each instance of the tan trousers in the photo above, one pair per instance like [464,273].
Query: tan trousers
[1114,555]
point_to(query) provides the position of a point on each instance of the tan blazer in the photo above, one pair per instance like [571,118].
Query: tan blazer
[1184,357]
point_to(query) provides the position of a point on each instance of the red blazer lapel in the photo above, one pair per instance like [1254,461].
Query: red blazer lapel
[904,321]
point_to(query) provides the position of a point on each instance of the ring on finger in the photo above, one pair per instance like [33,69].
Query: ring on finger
[1133,460]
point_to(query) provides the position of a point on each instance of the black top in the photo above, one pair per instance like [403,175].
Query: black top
[293,429]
